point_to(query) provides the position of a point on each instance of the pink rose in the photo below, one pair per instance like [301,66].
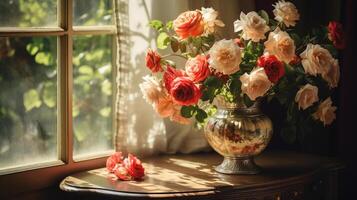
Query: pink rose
[113,160]
[184,91]
[197,68]
[189,23]
[122,173]
[153,61]
[134,167]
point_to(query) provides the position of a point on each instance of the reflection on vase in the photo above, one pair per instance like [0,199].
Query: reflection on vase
[238,133]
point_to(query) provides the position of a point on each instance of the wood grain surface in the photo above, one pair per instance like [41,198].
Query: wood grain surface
[193,176]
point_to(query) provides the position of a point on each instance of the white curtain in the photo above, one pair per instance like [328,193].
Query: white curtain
[138,128]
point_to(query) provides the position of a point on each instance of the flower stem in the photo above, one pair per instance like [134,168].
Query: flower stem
[173,54]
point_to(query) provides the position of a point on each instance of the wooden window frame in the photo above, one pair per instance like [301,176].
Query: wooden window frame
[24,179]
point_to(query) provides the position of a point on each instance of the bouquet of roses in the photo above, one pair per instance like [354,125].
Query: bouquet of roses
[268,59]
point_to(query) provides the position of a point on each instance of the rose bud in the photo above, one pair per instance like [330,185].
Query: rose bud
[336,34]
[153,61]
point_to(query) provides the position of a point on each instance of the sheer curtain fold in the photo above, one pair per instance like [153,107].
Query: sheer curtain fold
[138,128]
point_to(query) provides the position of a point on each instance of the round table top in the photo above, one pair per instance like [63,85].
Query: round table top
[192,175]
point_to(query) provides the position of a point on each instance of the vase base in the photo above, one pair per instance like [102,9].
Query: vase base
[244,165]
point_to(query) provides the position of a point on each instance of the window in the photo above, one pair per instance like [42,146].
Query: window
[56,85]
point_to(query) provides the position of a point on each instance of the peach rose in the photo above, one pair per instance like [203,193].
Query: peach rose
[189,23]
[255,84]
[316,60]
[325,112]
[281,45]
[286,12]
[210,20]
[197,68]
[165,106]
[332,76]
[225,57]
[252,26]
[151,89]
[307,96]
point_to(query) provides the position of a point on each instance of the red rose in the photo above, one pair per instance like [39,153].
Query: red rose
[134,167]
[153,61]
[170,75]
[184,91]
[122,173]
[336,35]
[113,160]
[189,23]
[272,67]
[197,68]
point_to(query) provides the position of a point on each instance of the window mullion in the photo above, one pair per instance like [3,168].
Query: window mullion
[66,82]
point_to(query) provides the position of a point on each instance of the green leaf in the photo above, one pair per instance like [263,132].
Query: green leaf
[201,115]
[174,45]
[169,25]
[188,111]
[85,69]
[163,40]
[296,38]
[247,101]
[264,15]
[106,87]
[44,58]
[49,94]
[156,24]
[31,100]
[213,82]
[105,112]
[182,47]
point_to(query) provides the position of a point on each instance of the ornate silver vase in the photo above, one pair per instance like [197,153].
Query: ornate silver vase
[238,133]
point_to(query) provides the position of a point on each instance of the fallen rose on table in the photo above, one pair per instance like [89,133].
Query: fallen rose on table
[126,169]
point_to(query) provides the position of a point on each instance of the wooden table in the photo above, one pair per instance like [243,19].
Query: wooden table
[285,175]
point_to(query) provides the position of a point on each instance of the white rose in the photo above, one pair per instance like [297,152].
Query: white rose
[152,89]
[225,56]
[332,76]
[281,45]
[316,60]
[286,12]
[210,20]
[255,84]
[326,112]
[252,25]
[306,96]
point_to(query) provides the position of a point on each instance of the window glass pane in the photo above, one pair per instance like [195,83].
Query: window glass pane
[92,12]
[92,95]
[28,13]
[28,100]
